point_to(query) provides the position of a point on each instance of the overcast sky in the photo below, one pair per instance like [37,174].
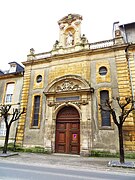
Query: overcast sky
[29,24]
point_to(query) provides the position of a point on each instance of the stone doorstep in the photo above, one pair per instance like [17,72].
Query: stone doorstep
[118,164]
[8,154]
[66,155]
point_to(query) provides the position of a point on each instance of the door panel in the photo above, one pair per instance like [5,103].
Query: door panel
[68,138]
[74,138]
[68,131]
[61,138]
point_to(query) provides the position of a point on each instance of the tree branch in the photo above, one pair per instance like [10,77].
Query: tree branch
[16,115]
[103,109]
[127,113]
[111,110]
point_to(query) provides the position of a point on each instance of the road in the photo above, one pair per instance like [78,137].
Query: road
[18,171]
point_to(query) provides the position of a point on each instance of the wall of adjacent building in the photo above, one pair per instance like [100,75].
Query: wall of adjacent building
[16,99]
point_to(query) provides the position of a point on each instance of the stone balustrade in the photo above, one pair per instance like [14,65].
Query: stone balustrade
[101,44]
[95,45]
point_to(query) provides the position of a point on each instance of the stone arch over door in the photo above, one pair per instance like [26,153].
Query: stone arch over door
[68,83]
[67,138]
[68,91]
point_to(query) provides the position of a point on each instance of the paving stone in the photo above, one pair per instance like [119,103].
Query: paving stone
[67,161]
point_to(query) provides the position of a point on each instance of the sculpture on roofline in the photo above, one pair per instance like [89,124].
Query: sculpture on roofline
[69,39]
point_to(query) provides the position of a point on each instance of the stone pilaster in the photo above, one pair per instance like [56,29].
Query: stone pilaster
[24,103]
[124,86]
[85,130]
[48,129]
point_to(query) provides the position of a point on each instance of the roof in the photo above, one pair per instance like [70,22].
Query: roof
[1,72]
[19,68]
[127,24]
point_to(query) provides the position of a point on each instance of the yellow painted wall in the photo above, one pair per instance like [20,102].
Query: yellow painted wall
[77,68]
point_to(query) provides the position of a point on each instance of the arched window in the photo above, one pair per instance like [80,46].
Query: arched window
[105,115]
[35,120]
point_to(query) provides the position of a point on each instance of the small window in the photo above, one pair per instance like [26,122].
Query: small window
[8,98]
[36,111]
[39,78]
[105,115]
[12,68]
[102,70]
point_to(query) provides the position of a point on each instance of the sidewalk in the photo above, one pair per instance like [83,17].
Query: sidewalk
[66,161]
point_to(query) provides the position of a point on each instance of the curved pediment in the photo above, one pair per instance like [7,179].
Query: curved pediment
[67,83]
[70,18]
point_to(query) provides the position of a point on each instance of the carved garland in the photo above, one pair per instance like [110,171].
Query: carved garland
[68,86]
[77,103]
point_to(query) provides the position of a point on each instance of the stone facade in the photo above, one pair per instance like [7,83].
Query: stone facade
[74,74]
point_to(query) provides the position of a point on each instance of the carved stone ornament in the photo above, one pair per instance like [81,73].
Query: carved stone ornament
[32,51]
[70,18]
[117,33]
[77,22]
[50,104]
[56,45]
[67,86]
[62,26]
[84,39]
[67,103]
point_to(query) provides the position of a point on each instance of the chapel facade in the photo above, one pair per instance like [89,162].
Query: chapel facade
[62,90]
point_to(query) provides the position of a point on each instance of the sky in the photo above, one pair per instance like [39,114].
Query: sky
[26,24]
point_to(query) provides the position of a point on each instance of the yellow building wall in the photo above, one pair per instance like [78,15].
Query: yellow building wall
[104,78]
[80,66]
[77,68]
[124,87]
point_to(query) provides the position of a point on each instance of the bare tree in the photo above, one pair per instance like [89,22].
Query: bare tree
[125,106]
[15,115]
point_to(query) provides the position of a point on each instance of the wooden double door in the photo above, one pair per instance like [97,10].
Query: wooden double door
[68,131]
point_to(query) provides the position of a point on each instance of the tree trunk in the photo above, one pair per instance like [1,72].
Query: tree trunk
[121,147]
[6,140]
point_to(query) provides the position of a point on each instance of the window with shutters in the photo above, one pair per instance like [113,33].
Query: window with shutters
[105,115]
[36,110]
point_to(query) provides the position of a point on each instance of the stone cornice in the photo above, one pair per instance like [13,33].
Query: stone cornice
[56,57]
[77,54]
